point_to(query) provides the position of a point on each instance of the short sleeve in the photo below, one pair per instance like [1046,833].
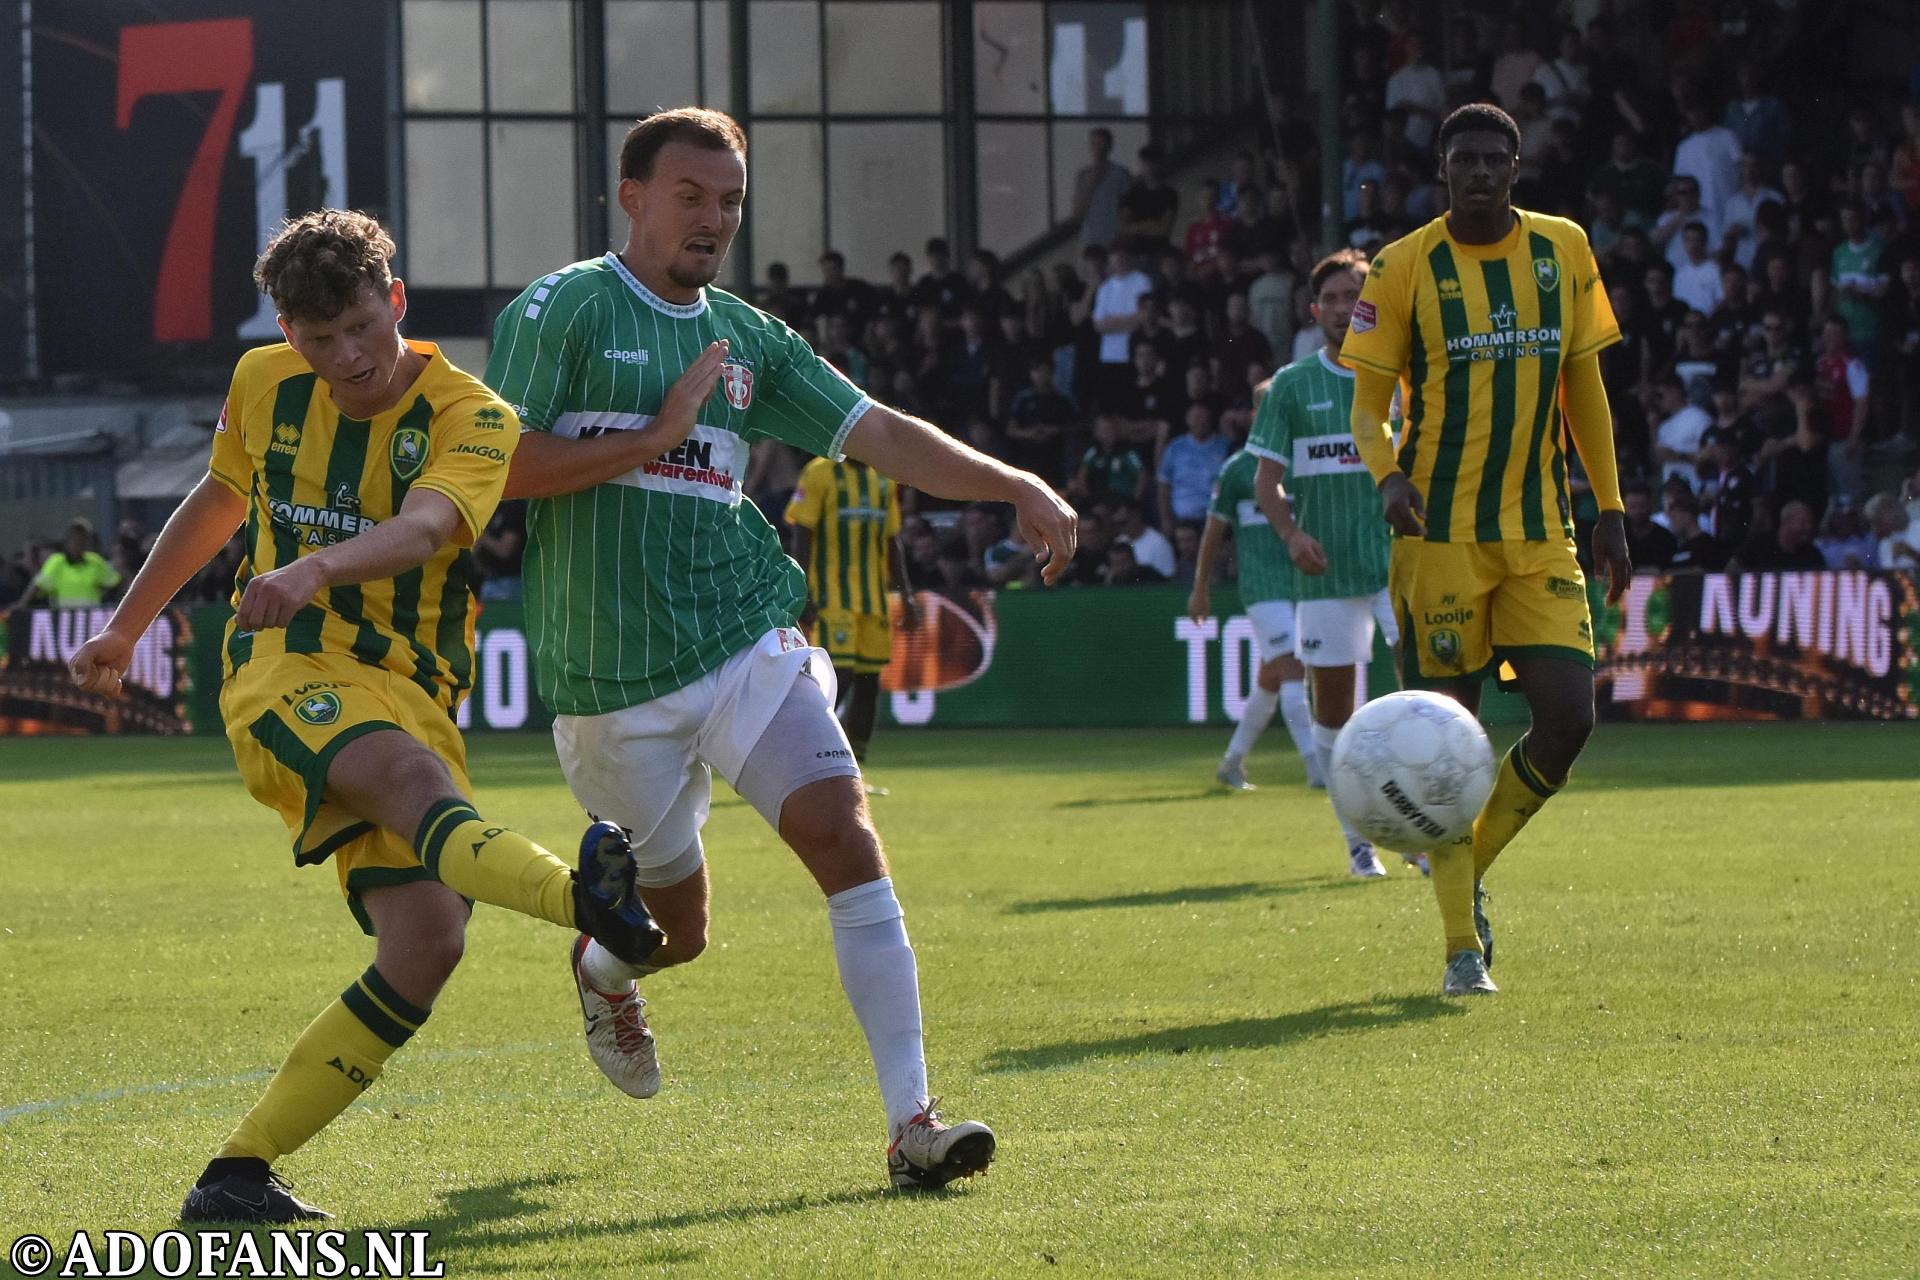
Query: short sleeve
[472,443]
[797,398]
[1221,504]
[230,464]
[1594,325]
[537,356]
[808,505]
[1379,336]
[1268,436]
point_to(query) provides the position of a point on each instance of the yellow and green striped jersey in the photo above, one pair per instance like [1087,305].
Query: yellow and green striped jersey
[854,513]
[1478,335]
[313,476]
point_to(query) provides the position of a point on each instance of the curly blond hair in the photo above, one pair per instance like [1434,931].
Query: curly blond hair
[315,264]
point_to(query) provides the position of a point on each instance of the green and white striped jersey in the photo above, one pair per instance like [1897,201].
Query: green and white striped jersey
[641,585]
[1266,570]
[1305,424]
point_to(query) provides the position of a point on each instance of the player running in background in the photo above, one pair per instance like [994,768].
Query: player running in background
[1494,317]
[363,466]
[1315,492]
[1266,593]
[661,607]
[845,518]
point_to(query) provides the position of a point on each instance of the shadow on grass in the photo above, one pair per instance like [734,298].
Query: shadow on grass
[1195,893]
[1238,1033]
[1168,797]
[465,1221]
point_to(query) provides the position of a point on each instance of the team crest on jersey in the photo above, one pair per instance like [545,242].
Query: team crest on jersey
[1546,274]
[320,709]
[408,452]
[737,381]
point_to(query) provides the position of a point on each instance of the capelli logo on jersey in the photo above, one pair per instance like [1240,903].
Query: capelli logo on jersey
[638,356]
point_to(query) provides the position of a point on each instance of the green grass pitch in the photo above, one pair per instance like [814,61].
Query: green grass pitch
[1205,1049]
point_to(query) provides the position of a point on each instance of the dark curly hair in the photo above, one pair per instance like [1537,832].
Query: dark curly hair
[316,263]
[1477,117]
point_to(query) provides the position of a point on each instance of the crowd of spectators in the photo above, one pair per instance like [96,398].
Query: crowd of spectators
[1763,260]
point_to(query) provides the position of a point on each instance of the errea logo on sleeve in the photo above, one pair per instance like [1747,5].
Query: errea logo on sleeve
[490,419]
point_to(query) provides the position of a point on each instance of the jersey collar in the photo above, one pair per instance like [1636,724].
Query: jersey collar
[1333,367]
[678,310]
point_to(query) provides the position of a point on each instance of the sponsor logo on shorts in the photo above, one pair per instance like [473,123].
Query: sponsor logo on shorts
[1310,644]
[321,708]
[1455,616]
[838,753]
[1444,644]
[300,693]
[1566,589]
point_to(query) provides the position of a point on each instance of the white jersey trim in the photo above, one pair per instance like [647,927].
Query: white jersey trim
[678,310]
[1333,367]
[1260,451]
[709,465]
[836,451]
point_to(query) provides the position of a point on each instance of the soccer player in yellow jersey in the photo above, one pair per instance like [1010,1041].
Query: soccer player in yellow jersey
[363,465]
[1492,318]
[846,535]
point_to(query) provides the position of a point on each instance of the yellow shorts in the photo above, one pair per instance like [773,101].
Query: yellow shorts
[1465,605]
[287,716]
[862,642]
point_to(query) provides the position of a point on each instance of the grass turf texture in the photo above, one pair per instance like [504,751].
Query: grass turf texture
[1204,1048]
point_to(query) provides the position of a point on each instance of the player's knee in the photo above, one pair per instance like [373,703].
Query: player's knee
[683,945]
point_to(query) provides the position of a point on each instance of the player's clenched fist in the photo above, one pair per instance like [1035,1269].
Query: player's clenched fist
[273,598]
[101,662]
[1401,505]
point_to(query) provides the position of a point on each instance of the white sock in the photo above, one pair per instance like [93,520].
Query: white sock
[883,986]
[1254,719]
[1323,737]
[1294,710]
[608,973]
[1359,685]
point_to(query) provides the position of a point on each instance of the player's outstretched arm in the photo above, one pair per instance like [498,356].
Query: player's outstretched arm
[1590,423]
[195,532]
[922,456]
[547,466]
[426,520]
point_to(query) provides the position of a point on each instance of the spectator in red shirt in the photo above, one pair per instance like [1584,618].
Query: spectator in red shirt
[1842,381]
[1206,233]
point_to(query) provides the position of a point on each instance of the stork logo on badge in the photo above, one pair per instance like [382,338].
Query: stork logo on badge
[408,452]
[737,381]
[320,709]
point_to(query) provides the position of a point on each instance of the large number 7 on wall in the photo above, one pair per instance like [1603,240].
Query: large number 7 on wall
[189,57]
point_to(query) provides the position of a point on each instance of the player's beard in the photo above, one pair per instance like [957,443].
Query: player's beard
[698,276]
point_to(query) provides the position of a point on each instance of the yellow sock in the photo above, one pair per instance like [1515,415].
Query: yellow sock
[493,864]
[1452,866]
[335,1060]
[1519,790]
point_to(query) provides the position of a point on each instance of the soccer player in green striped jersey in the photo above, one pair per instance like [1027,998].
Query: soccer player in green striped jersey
[661,607]
[1314,490]
[1266,593]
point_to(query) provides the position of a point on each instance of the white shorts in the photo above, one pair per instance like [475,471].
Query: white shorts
[763,718]
[1272,628]
[1339,632]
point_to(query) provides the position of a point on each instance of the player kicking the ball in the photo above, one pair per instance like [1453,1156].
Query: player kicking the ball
[661,608]
[362,465]
[1315,493]
[1494,317]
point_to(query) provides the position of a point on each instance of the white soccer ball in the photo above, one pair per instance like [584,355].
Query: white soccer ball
[1411,770]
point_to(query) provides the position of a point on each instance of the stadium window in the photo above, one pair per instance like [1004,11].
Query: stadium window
[1098,64]
[902,38]
[532,160]
[1009,58]
[648,67]
[442,41]
[1012,179]
[530,55]
[889,189]
[446,203]
[784,42]
[784,195]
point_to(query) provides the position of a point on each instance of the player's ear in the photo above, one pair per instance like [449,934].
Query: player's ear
[286,331]
[629,197]
[397,299]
